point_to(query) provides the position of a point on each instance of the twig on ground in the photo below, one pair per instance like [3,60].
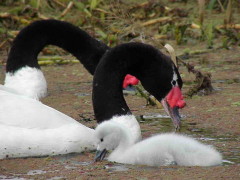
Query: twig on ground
[203,80]
[229,26]
[150,99]
[69,6]
[3,43]
[59,3]
[158,20]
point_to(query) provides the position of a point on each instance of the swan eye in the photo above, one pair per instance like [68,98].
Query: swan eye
[174,82]
[101,139]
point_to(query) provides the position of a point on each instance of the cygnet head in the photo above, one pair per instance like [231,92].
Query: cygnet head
[110,136]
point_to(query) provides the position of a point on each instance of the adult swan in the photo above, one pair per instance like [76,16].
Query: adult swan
[157,73]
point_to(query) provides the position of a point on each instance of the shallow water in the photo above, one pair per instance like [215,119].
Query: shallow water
[34,172]
[227,81]
[11,177]
[82,94]
[118,167]
[29,173]
[56,178]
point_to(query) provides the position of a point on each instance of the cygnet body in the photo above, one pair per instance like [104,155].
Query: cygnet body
[162,149]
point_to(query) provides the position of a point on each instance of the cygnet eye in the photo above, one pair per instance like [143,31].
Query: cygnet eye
[101,139]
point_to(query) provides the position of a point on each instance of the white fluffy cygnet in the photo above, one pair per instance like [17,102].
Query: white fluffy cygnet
[162,149]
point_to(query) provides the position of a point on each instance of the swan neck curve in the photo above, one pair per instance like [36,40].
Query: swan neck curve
[33,38]
[149,65]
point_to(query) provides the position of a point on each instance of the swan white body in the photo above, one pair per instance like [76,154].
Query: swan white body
[162,149]
[30,128]
[27,81]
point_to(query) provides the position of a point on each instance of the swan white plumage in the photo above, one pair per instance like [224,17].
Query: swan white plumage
[30,128]
[162,149]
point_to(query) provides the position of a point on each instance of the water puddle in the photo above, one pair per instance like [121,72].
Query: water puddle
[11,177]
[75,164]
[66,157]
[36,172]
[226,162]
[69,162]
[154,116]
[116,168]
[81,163]
[226,81]
[82,94]
[70,167]
[16,176]
[56,178]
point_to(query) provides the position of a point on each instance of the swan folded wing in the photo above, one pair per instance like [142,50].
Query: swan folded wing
[25,112]
[9,90]
[24,142]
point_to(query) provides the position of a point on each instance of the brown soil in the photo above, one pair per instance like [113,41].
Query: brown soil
[213,119]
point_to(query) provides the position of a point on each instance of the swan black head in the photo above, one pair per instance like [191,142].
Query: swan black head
[155,70]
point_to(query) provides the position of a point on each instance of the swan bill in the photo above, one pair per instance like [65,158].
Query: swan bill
[173,113]
[100,155]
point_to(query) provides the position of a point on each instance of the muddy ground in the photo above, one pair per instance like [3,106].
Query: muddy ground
[212,119]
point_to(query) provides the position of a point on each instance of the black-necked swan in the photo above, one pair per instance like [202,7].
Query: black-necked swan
[23,73]
[157,73]
[158,150]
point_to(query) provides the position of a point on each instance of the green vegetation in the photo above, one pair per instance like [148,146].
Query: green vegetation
[121,21]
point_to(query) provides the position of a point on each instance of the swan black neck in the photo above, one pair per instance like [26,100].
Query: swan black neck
[32,39]
[154,70]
